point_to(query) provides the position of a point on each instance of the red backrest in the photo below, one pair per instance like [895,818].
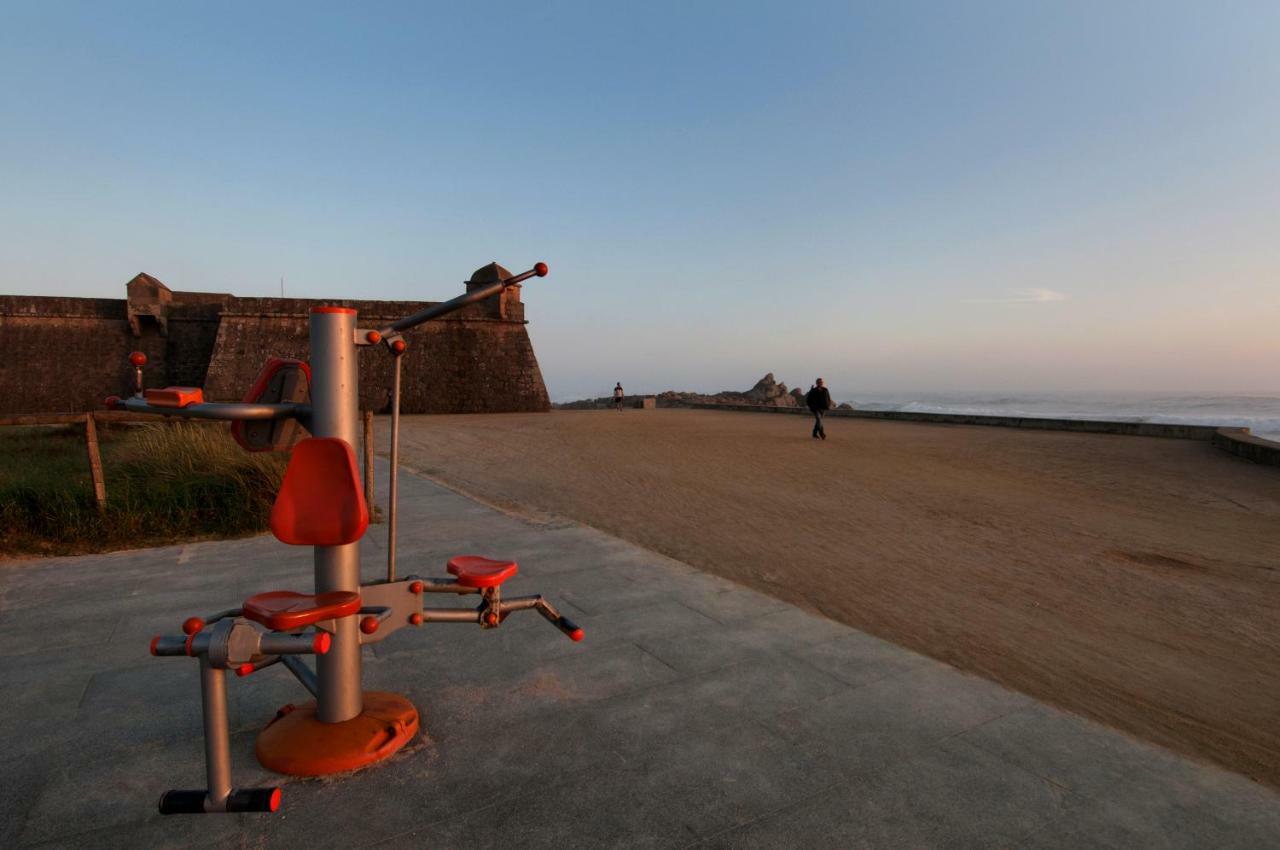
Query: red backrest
[321,502]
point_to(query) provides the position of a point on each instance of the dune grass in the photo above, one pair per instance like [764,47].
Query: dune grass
[165,482]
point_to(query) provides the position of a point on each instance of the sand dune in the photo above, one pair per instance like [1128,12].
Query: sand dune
[1132,580]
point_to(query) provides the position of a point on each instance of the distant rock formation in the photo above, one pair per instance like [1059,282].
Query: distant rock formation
[767,392]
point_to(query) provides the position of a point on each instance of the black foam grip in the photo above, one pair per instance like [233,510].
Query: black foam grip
[182,802]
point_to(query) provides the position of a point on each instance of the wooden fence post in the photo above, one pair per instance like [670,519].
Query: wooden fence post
[368,460]
[95,462]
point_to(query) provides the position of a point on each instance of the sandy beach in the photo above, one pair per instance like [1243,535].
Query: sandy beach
[1133,580]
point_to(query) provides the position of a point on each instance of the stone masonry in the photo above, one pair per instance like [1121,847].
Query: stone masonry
[65,355]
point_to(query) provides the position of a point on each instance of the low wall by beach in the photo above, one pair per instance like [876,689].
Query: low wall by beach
[1237,441]
[1241,443]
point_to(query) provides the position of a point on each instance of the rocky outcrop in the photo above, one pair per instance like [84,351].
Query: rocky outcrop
[767,392]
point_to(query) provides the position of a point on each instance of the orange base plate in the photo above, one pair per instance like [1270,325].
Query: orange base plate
[297,743]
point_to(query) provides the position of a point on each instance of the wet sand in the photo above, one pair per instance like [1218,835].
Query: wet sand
[1133,580]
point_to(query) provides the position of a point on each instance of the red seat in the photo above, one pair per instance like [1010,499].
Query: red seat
[321,502]
[174,396]
[284,610]
[474,571]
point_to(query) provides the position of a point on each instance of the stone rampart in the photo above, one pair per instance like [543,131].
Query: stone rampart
[65,355]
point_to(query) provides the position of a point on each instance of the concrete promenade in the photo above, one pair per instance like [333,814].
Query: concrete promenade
[695,713]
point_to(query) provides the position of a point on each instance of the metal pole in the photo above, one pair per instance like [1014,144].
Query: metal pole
[368,459]
[393,492]
[334,395]
[437,310]
[217,740]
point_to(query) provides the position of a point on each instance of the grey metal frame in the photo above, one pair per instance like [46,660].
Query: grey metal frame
[227,640]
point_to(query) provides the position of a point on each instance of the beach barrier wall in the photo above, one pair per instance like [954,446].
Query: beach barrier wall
[1241,443]
[1237,441]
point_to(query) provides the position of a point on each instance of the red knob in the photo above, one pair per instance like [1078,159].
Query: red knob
[321,643]
[137,358]
[191,625]
[112,402]
[369,625]
[540,269]
[491,618]
[398,346]
[244,670]
[373,337]
[576,634]
[154,641]
[414,620]
[415,587]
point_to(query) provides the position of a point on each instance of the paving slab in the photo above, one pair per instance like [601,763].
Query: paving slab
[696,713]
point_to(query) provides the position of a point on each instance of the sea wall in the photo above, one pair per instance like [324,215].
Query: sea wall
[1241,443]
[1237,441]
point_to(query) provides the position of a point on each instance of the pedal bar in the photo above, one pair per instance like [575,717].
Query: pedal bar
[198,802]
[543,607]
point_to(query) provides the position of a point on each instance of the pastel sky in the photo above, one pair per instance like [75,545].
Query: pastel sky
[898,196]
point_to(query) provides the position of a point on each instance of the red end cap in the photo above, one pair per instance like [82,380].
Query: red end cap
[398,346]
[540,269]
[415,619]
[373,337]
[328,308]
[321,643]
[274,803]
[415,587]
[244,670]
[369,625]
[154,642]
[191,625]
[577,634]
[137,358]
[112,402]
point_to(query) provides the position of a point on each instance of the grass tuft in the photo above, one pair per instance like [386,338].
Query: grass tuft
[165,481]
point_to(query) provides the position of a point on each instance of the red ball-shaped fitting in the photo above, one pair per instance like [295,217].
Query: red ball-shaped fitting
[112,402]
[415,619]
[191,625]
[244,670]
[415,587]
[577,634]
[137,358]
[373,337]
[398,346]
[320,644]
[491,618]
[540,269]
[369,625]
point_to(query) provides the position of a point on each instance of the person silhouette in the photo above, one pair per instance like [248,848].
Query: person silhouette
[818,400]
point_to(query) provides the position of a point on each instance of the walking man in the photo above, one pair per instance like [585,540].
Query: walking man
[819,401]
[618,395]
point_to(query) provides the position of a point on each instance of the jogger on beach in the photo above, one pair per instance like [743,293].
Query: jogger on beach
[819,401]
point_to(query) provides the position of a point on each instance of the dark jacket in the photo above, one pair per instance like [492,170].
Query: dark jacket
[818,398]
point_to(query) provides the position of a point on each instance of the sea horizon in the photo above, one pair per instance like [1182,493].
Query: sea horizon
[1257,411]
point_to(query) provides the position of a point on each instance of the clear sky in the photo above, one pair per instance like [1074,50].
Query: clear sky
[898,196]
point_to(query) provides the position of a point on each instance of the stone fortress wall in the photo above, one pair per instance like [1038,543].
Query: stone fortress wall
[65,355]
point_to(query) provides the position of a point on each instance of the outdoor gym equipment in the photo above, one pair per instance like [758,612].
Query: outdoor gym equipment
[321,504]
